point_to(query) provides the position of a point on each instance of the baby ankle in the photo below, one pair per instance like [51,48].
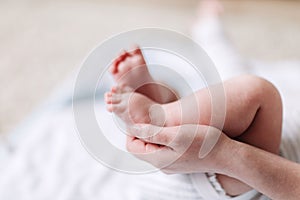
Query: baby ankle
[157,115]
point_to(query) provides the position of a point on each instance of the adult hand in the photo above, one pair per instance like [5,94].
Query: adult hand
[180,146]
[180,149]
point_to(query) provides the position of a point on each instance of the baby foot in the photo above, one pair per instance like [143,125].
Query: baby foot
[130,69]
[133,107]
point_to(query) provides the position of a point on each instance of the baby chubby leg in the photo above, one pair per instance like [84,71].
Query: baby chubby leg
[253,111]
[265,129]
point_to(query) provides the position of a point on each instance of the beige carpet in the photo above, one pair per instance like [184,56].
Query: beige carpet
[42,42]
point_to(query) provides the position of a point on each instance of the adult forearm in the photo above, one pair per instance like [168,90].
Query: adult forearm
[270,174]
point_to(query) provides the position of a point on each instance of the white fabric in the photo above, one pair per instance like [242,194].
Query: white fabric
[205,187]
[50,163]
[212,178]
[210,35]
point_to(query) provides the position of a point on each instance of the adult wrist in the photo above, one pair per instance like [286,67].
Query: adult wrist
[229,156]
[237,162]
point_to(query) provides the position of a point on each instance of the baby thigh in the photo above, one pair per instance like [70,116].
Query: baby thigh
[253,112]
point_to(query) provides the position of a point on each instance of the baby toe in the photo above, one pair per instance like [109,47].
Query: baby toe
[107,97]
[116,99]
[113,68]
[136,50]
[116,89]
[112,98]
[123,53]
[118,60]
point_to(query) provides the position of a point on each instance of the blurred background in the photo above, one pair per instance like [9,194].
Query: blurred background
[42,42]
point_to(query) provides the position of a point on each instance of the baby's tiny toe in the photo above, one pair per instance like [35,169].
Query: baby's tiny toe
[113,68]
[114,104]
[123,54]
[116,99]
[116,89]
[107,97]
[119,60]
[136,50]
[111,98]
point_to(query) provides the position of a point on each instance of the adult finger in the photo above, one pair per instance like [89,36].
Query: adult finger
[137,146]
[157,155]
[154,134]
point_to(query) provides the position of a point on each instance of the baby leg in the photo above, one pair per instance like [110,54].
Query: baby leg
[130,69]
[264,131]
[253,111]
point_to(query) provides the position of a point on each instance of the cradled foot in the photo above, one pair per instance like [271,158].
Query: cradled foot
[130,69]
[133,107]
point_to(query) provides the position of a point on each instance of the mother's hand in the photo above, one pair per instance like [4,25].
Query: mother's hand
[180,149]
[261,170]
